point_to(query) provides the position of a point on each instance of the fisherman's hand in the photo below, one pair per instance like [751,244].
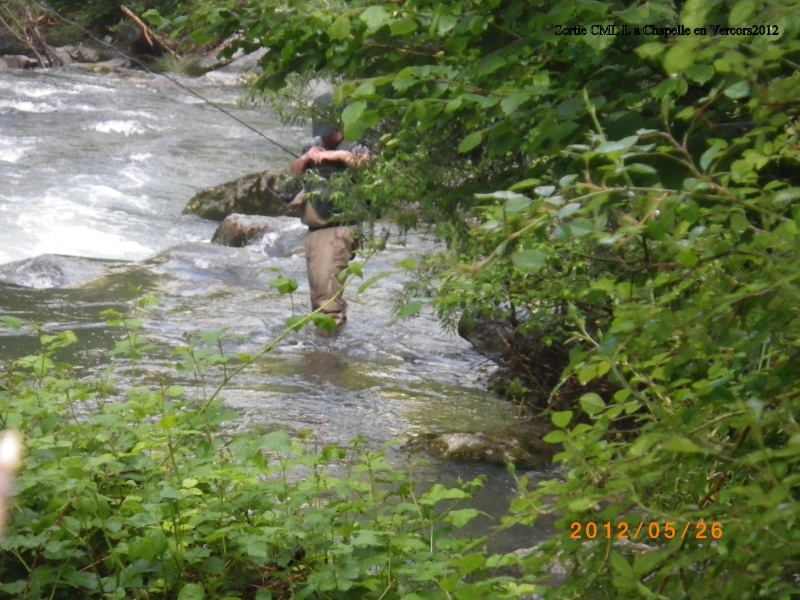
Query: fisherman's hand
[302,163]
[314,152]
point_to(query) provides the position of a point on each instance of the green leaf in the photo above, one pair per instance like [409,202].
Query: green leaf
[738,90]
[296,322]
[489,64]
[459,518]
[402,27]
[409,310]
[284,285]
[682,444]
[368,119]
[562,418]
[324,322]
[372,281]
[511,103]
[680,57]
[469,563]
[192,591]
[650,50]
[352,113]
[642,169]
[470,142]
[555,437]
[582,504]
[340,28]
[741,12]
[687,258]
[375,17]
[529,260]
[622,566]
[617,146]
[709,155]
[592,403]
[700,73]
[277,440]
[406,264]
[445,23]
[11,322]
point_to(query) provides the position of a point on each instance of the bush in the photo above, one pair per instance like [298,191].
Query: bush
[143,493]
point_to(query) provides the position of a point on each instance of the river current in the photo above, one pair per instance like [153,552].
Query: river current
[95,170]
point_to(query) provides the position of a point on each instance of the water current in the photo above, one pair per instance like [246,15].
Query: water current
[95,170]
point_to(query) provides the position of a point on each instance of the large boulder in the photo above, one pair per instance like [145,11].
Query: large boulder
[238,230]
[254,194]
[272,236]
[523,448]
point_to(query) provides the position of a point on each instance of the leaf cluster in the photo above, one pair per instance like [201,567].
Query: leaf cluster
[146,493]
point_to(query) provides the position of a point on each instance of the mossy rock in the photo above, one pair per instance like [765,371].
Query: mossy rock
[522,449]
[255,194]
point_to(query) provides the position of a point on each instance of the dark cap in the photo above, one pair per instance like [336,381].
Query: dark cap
[322,123]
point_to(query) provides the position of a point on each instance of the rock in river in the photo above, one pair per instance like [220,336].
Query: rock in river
[254,194]
[524,450]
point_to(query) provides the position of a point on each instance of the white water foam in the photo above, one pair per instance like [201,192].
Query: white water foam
[38,90]
[80,240]
[12,151]
[6,106]
[125,127]
[136,176]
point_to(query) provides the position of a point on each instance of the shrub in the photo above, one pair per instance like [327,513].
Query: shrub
[143,493]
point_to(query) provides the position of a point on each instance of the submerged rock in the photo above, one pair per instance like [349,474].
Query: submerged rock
[55,271]
[238,230]
[523,450]
[273,236]
[254,194]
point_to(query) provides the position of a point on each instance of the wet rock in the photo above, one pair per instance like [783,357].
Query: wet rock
[232,72]
[489,337]
[254,194]
[64,55]
[20,62]
[271,236]
[54,271]
[525,451]
[80,53]
[238,230]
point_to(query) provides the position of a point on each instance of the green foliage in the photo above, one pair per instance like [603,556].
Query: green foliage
[628,206]
[144,493]
[107,12]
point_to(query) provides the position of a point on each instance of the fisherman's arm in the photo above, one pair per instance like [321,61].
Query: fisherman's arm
[303,162]
[349,157]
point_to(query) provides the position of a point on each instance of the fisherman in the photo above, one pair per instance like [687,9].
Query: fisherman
[330,242]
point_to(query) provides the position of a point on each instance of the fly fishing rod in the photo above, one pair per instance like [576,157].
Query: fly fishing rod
[144,65]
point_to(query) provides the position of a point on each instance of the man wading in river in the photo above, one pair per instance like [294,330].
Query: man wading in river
[330,242]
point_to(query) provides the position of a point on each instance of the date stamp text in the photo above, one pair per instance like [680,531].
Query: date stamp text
[700,530]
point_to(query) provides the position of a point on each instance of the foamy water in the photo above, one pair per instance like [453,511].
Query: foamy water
[124,127]
[102,165]
[26,106]
[12,151]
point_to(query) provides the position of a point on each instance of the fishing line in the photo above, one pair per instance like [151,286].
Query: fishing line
[172,79]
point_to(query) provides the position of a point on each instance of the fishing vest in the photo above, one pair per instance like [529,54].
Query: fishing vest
[320,210]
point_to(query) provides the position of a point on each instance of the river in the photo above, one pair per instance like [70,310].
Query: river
[95,169]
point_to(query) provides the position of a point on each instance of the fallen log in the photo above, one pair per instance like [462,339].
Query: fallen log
[150,37]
